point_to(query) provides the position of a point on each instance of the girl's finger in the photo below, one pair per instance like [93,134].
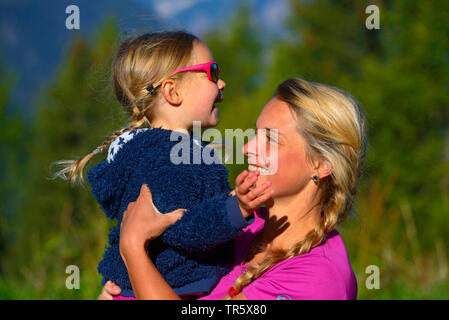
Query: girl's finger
[248,183]
[256,192]
[240,178]
[261,199]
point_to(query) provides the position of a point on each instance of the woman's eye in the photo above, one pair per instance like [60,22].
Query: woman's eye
[267,135]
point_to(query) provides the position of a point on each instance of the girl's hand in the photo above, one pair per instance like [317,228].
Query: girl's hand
[142,222]
[110,290]
[251,198]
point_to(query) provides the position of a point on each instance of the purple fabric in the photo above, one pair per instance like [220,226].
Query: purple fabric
[323,273]
[123,298]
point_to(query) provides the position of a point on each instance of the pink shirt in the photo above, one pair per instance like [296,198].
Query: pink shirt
[323,273]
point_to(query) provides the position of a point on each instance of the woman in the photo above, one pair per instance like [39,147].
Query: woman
[292,250]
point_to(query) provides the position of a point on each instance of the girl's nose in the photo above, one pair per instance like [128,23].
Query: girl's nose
[221,84]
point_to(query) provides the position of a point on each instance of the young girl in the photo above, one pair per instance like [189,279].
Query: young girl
[166,81]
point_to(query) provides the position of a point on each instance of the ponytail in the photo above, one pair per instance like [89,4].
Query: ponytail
[141,62]
[72,170]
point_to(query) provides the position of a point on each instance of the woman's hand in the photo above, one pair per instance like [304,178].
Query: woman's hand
[110,290]
[142,222]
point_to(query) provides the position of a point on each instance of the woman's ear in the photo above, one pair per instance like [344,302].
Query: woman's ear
[170,90]
[323,168]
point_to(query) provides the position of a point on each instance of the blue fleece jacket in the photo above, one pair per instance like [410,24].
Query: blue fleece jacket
[197,250]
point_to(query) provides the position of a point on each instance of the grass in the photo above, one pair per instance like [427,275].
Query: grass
[379,234]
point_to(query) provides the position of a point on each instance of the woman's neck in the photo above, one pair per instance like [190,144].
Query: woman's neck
[289,220]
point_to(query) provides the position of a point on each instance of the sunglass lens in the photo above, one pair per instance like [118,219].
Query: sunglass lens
[214,72]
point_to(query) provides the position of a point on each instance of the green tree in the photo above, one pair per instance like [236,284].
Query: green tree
[61,225]
[400,75]
[238,49]
[10,146]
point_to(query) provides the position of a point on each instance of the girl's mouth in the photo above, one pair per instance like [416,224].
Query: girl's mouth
[219,96]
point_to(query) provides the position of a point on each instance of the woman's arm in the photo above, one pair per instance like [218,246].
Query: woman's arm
[141,223]
[147,282]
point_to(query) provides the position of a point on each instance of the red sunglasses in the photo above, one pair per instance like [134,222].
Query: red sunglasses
[211,69]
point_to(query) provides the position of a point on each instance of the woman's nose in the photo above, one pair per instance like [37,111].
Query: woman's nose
[245,149]
[250,147]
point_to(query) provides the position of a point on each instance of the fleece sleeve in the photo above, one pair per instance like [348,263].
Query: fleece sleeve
[206,225]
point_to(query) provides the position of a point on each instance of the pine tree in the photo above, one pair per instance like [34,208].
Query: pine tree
[11,143]
[61,225]
[238,50]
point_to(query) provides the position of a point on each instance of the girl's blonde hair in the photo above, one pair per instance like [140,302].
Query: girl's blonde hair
[140,62]
[333,126]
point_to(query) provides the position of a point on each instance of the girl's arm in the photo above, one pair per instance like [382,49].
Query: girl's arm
[204,226]
[218,219]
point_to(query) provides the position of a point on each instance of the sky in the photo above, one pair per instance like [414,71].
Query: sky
[198,16]
[40,26]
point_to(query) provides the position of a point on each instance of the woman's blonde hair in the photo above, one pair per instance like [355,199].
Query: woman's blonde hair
[333,126]
[141,62]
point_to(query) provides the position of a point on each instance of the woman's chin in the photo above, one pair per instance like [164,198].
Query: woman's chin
[261,180]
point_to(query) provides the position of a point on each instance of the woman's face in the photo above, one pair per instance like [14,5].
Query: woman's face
[281,158]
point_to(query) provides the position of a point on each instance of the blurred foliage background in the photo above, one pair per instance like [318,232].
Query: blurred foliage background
[399,74]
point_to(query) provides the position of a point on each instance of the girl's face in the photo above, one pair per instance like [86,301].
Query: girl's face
[281,158]
[201,94]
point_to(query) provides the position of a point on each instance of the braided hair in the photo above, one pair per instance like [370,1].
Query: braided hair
[140,66]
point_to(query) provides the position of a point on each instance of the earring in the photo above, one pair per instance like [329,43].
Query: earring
[315,178]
